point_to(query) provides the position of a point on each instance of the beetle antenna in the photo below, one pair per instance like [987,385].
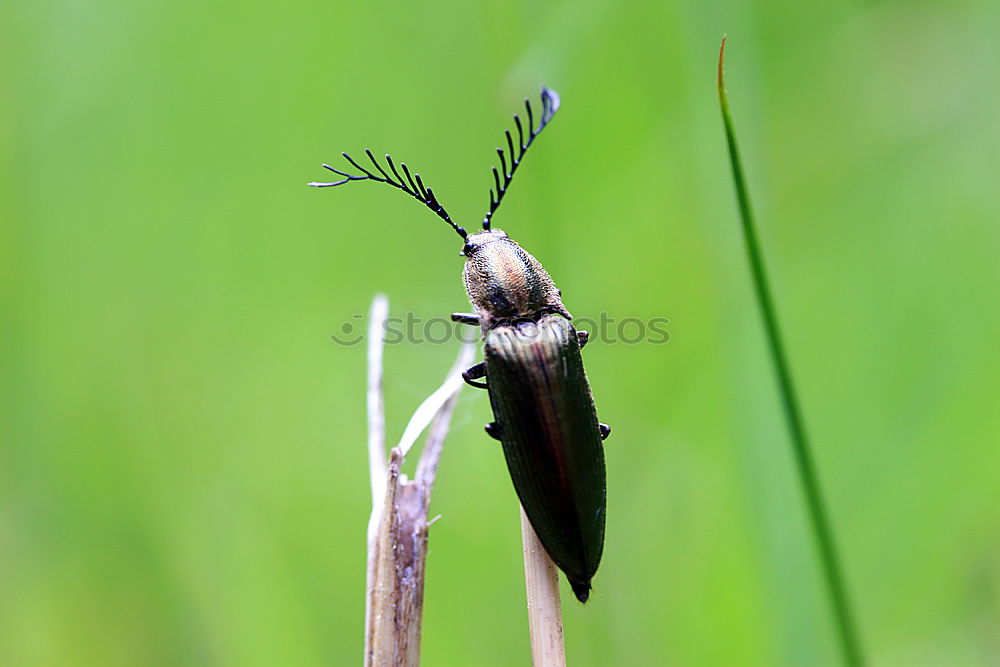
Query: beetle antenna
[550,104]
[412,186]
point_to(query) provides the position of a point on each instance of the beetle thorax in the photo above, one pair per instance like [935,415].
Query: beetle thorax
[504,281]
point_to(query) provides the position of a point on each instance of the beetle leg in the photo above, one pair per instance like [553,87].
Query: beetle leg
[493,430]
[605,431]
[465,318]
[478,371]
[582,337]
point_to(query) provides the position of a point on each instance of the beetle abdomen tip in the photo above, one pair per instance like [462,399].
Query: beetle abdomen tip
[581,590]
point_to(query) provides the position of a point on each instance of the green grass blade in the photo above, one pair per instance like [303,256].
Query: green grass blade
[818,516]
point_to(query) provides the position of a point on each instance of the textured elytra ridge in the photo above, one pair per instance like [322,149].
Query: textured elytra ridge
[551,440]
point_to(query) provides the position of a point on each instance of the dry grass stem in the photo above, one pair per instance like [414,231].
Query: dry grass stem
[397,528]
[541,580]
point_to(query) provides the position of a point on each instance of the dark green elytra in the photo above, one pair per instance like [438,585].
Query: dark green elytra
[545,416]
[551,439]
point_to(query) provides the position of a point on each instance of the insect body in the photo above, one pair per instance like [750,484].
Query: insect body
[541,400]
[551,439]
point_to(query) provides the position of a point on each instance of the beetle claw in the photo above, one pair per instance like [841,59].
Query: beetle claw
[470,376]
[493,430]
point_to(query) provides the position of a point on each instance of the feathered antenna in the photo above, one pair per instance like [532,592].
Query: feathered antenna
[550,104]
[412,186]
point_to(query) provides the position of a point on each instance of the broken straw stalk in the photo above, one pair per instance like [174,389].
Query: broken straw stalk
[397,528]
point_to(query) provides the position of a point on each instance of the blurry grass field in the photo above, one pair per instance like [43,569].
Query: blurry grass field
[182,461]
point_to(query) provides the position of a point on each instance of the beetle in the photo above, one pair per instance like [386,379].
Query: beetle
[542,404]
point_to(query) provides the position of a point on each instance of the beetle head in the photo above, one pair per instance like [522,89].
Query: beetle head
[505,281]
[476,242]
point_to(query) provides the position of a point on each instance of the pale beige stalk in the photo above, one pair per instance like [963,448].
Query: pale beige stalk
[541,579]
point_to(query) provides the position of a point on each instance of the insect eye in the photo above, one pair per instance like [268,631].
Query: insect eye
[468,249]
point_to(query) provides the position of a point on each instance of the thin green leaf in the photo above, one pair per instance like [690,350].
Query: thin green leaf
[823,533]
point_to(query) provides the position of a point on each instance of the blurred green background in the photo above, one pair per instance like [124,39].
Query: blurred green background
[183,475]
